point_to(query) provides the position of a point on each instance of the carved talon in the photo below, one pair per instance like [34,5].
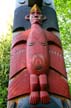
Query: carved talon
[34,97]
[44,97]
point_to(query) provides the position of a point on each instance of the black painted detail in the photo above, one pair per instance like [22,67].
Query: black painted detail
[19,28]
[53,43]
[51,24]
[32,2]
[65,105]
[20,24]
[52,68]
[19,43]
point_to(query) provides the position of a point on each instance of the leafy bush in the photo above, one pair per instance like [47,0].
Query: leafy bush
[5,43]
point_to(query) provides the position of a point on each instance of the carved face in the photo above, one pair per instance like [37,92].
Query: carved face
[35,17]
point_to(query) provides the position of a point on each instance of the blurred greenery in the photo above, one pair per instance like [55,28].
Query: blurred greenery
[63,9]
[5,43]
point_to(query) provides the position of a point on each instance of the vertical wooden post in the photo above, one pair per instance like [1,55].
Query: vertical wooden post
[41,75]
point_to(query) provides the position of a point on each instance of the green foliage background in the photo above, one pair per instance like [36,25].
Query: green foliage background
[63,9]
[5,43]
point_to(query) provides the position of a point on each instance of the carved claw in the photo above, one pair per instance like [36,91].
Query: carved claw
[34,97]
[44,97]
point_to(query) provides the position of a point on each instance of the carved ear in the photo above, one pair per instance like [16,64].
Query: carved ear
[27,17]
[44,18]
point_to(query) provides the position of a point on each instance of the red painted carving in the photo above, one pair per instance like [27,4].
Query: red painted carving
[57,84]
[37,64]
[19,85]
[20,37]
[52,38]
[37,51]
[57,60]
[18,59]
[37,57]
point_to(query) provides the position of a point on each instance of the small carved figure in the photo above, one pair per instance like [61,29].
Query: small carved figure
[37,58]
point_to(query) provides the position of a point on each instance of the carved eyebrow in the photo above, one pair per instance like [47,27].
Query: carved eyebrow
[31,43]
[44,43]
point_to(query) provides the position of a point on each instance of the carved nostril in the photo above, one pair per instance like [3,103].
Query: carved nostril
[38,67]
[36,16]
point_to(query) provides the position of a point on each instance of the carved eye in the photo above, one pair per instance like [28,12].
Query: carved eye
[31,44]
[44,43]
[21,1]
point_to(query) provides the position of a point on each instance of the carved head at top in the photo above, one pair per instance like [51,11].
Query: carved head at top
[35,15]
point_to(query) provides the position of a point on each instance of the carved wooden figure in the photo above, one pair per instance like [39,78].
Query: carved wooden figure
[37,58]
[38,63]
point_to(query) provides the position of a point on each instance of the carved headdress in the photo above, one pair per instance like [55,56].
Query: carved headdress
[35,8]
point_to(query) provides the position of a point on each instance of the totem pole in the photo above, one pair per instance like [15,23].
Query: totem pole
[38,77]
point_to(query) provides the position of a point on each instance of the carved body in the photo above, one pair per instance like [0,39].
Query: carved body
[37,51]
[26,83]
[37,64]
